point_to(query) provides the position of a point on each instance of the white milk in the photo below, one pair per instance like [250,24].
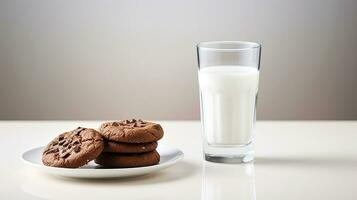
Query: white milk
[228,95]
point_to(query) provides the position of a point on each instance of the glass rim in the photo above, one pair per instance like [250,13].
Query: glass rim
[252,45]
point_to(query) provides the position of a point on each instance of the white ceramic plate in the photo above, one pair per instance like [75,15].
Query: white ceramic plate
[168,157]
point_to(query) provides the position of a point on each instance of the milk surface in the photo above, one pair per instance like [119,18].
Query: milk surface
[228,96]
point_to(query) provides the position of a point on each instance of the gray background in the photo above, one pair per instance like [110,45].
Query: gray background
[117,59]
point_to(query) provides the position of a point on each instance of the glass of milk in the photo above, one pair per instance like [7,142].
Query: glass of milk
[228,79]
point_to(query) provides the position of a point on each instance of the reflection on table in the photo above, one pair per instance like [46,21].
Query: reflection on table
[228,181]
[167,181]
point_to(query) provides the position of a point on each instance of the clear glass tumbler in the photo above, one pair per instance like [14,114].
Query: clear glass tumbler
[228,79]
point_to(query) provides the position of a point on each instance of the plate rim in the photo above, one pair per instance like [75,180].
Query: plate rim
[179,157]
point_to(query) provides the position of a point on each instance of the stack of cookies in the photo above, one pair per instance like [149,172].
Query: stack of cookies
[126,143]
[129,143]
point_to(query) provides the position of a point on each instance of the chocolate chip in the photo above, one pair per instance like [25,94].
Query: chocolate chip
[127,121]
[115,124]
[51,151]
[77,149]
[65,155]
[133,120]
[135,125]
[75,142]
[140,120]
[78,130]
[60,138]
[61,142]
[69,146]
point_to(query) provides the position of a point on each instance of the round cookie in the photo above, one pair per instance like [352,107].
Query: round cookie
[73,149]
[128,160]
[120,147]
[131,131]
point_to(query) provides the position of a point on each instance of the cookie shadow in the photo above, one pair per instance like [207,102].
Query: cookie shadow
[181,170]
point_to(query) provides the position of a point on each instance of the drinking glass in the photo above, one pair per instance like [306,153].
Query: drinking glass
[228,74]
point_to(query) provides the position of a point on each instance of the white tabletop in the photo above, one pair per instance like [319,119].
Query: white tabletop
[294,160]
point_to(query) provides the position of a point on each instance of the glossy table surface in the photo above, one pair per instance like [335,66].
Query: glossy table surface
[295,160]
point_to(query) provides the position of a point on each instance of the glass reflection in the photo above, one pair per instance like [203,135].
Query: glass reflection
[228,181]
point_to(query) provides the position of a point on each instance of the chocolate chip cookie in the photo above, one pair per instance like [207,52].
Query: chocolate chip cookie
[73,149]
[131,131]
[128,160]
[120,147]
